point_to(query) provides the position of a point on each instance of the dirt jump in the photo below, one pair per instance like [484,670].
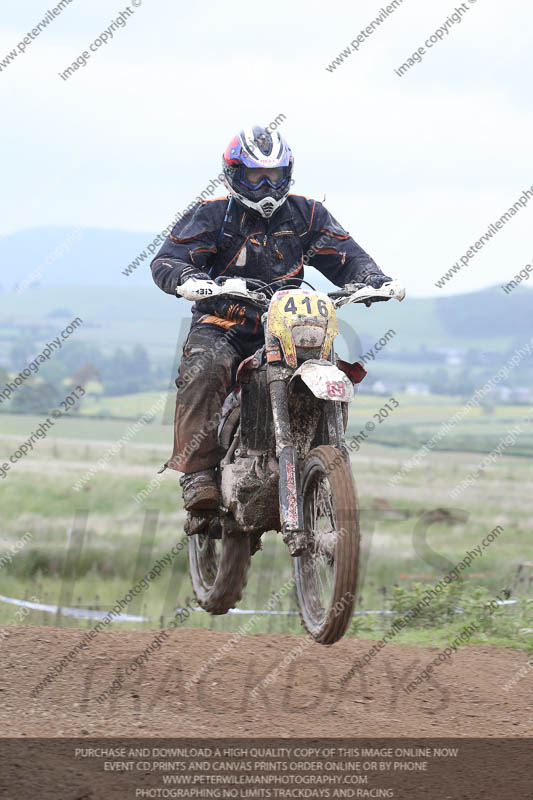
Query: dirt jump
[204,683]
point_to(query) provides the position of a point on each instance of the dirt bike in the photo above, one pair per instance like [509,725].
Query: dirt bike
[286,466]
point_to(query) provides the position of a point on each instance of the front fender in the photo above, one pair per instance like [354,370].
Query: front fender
[326,381]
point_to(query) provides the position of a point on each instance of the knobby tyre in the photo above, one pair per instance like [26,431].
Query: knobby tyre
[219,570]
[326,573]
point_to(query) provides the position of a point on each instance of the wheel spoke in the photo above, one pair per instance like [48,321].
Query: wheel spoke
[321,558]
[208,558]
[330,506]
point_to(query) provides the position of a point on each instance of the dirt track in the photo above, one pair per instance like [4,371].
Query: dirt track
[466,698]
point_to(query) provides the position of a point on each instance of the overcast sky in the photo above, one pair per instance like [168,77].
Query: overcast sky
[415,167]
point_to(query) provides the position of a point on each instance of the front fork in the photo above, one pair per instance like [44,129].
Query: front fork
[290,494]
[290,490]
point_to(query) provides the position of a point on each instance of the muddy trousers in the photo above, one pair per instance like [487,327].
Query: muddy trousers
[211,356]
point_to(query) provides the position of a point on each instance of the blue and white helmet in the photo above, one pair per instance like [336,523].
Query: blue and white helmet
[257,168]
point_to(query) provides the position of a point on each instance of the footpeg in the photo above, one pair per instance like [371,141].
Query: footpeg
[196,523]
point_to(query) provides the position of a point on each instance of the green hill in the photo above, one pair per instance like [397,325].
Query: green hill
[447,343]
[121,316]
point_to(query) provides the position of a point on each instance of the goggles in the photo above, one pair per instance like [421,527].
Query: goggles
[255,177]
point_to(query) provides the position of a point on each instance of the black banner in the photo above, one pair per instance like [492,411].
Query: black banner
[109,769]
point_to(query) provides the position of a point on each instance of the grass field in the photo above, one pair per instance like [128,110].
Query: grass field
[39,497]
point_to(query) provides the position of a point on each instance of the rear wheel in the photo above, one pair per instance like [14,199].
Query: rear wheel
[218,568]
[326,573]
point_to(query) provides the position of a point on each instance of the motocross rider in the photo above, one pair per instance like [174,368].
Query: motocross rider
[260,231]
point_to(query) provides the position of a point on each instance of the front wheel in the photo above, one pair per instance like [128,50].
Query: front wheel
[219,569]
[326,573]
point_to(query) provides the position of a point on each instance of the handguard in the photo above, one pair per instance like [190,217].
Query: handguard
[195,289]
[391,289]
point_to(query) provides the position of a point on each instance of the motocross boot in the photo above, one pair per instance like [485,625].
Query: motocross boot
[200,490]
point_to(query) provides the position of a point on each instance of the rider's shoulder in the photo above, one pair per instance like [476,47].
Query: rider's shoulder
[301,200]
[308,208]
[204,217]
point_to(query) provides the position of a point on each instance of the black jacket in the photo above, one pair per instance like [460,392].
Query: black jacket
[222,237]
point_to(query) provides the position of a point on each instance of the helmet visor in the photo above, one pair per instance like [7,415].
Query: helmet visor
[254,177]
